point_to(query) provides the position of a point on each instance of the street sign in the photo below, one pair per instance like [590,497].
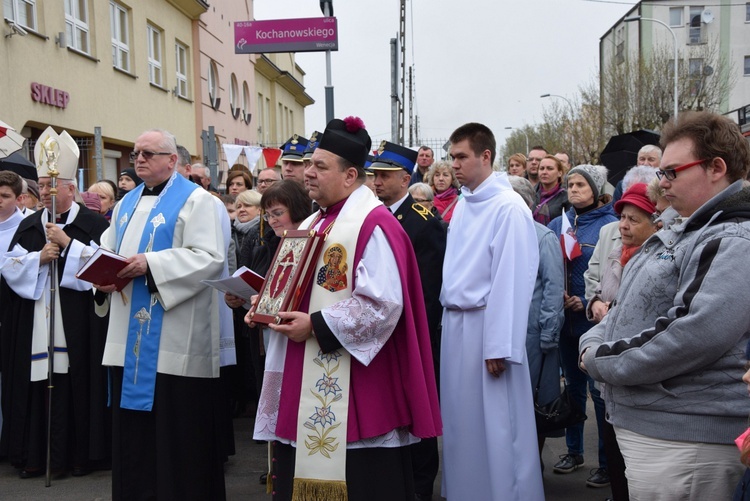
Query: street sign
[286,35]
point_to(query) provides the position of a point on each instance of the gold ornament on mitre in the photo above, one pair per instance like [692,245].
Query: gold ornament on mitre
[55,152]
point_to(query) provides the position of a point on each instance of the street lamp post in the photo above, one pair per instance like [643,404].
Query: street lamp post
[572,116]
[674,38]
[326,6]
[524,133]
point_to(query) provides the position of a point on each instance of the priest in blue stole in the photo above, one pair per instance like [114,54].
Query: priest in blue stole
[163,338]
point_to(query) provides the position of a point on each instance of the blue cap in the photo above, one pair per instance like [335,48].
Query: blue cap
[368,165]
[392,156]
[294,149]
[312,144]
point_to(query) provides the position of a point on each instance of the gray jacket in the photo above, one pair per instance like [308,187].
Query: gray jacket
[672,347]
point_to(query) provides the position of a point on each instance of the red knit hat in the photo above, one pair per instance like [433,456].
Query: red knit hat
[636,195]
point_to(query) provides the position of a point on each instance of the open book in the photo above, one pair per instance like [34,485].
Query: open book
[102,269]
[244,283]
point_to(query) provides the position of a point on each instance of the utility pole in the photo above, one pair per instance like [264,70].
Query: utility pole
[394,91]
[402,65]
[411,107]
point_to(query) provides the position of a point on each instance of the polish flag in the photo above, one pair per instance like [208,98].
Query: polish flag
[570,247]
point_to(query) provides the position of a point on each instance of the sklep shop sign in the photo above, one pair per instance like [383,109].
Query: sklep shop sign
[286,35]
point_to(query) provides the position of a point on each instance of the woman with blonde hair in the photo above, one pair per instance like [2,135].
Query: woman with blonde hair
[551,197]
[248,215]
[517,165]
[106,195]
[442,180]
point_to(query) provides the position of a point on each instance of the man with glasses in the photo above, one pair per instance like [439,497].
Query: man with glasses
[163,339]
[535,157]
[266,178]
[78,412]
[672,347]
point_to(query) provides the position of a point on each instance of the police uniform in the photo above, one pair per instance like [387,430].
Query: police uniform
[428,237]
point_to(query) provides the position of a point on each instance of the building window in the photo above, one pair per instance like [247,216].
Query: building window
[154,55]
[747,12]
[182,69]
[747,66]
[234,96]
[267,120]
[120,36]
[213,85]
[695,34]
[620,45]
[675,16]
[695,74]
[22,12]
[77,24]
[261,121]
[245,103]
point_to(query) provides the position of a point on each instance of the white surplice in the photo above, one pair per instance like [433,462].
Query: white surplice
[189,344]
[31,280]
[489,435]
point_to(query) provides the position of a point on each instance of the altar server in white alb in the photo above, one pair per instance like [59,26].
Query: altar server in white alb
[163,339]
[489,438]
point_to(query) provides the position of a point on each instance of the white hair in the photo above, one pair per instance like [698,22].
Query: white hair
[422,189]
[649,148]
[523,187]
[638,174]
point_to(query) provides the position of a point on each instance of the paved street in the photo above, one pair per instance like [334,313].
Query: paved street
[243,470]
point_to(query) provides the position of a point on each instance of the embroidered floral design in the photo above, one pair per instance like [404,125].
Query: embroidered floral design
[323,421]
[323,416]
[328,385]
[328,357]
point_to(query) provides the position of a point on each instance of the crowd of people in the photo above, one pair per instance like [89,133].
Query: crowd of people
[449,297]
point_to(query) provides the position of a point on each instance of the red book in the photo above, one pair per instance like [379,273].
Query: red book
[102,269]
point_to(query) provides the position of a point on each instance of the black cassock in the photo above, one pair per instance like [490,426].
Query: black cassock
[81,422]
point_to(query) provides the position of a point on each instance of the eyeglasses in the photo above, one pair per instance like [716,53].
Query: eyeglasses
[274,215]
[421,200]
[266,181]
[671,174]
[147,155]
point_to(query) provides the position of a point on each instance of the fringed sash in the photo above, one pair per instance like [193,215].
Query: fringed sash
[320,469]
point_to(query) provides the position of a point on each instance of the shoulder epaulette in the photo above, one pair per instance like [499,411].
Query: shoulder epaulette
[422,211]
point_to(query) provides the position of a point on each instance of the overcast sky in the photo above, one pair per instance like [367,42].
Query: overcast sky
[475,60]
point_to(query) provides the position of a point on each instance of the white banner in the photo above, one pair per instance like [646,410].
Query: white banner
[253,153]
[232,151]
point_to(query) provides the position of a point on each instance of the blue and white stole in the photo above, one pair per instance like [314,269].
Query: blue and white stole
[147,313]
